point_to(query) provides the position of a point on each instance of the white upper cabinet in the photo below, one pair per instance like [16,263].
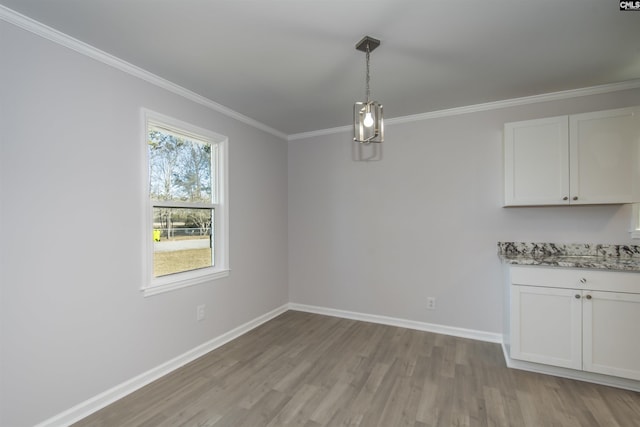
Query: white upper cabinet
[590,158]
[603,149]
[537,162]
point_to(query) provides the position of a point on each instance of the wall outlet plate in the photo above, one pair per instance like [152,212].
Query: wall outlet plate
[200,312]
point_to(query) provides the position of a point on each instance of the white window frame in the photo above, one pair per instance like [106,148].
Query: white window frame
[156,285]
[635,221]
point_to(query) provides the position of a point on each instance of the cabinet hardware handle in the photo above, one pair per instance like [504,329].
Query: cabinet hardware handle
[565,198]
[583,280]
[588,296]
[577,296]
[575,197]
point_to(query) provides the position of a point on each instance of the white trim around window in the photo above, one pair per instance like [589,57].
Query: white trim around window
[219,204]
[635,221]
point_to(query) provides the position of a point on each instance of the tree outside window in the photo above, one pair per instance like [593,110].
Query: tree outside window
[186,187]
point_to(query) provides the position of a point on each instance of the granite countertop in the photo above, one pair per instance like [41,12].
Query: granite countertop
[585,255]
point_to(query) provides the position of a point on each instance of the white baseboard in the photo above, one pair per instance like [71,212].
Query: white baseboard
[98,402]
[571,373]
[403,323]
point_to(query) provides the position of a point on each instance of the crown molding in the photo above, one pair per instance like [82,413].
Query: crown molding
[534,99]
[65,40]
[321,132]
[83,48]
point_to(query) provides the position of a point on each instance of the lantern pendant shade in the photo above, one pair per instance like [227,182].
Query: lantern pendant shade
[368,125]
[367,116]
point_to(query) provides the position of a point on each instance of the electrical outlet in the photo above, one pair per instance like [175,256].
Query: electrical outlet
[200,312]
[431,303]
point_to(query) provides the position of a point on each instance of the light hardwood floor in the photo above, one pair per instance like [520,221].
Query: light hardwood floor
[303,369]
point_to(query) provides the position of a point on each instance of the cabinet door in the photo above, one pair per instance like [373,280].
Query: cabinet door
[611,342]
[546,325]
[604,160]
[536,160]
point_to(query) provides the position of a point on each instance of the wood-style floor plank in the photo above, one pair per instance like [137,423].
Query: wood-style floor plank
[309,370]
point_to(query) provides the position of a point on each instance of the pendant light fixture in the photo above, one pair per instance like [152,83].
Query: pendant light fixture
[368,124]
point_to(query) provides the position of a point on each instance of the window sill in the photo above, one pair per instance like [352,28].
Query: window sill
[183,280]
[635,234]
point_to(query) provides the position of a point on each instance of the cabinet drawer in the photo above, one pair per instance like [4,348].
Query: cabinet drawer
[592,280]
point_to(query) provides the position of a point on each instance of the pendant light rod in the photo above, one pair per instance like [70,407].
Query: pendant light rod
[368,92]
[367,44]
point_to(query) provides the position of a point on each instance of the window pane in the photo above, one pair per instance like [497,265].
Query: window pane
[182,240]
[179,167]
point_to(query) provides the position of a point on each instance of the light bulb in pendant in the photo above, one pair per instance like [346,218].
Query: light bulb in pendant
[368,120]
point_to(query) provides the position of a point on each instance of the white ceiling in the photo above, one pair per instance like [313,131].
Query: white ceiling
[292,64]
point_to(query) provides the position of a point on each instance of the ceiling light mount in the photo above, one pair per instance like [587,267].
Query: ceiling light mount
[367,43]
[368,124]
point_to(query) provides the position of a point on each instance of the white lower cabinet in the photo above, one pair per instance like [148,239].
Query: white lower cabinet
[546,325]
[579,319]
[611,334]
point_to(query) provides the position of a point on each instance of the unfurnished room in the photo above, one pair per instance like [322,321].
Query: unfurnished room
[272,213]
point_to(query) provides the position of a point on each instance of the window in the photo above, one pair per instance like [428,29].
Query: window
[635,222]
[186,238]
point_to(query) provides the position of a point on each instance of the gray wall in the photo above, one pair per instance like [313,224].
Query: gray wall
[380,237]
[375,237]
[73,321]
